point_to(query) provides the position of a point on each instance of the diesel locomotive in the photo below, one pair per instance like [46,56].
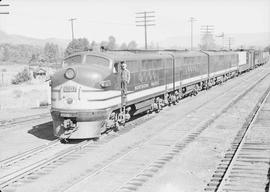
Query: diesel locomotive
[86,97]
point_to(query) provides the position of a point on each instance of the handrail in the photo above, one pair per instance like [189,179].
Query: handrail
[208,65]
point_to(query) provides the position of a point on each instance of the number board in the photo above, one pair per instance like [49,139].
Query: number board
[70,89]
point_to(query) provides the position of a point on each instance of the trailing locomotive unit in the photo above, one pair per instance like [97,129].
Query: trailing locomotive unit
[86,96]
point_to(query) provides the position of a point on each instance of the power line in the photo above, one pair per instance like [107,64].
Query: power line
[145,19]
[191,20]
[207,29]
[107,22]
[72,32]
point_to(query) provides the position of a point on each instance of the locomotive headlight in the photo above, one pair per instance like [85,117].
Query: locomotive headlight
[105,84]
[69,100]
[70,73]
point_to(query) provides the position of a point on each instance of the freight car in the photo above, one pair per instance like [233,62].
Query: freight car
[86,93]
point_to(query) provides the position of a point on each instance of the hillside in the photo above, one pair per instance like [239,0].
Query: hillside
[245,39]
[18,39]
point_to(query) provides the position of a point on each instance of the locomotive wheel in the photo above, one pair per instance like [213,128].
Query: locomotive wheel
[64,141]
[95,139]
[116,128]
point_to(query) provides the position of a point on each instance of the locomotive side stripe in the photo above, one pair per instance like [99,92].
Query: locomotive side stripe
[101,90]
[162,87]
[115,101]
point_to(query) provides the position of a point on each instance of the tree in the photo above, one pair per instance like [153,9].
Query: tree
[51,52]
[6,54]
[77,45]
[21,77]
[94,46]
[123,46]
[267,48]
[112,43]
[208,42]
[21,53]
[132,45]
[34,58]
[153,46]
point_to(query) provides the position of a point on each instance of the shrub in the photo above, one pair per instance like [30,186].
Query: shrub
[22,76]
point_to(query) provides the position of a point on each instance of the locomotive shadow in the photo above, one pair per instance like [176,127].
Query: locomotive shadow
[43,131]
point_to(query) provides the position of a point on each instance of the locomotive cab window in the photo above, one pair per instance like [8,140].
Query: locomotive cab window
[95,60]
[73,60]
[116,68]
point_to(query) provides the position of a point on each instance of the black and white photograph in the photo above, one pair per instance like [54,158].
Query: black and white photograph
[134,96]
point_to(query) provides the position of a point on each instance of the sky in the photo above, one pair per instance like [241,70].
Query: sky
[98,19]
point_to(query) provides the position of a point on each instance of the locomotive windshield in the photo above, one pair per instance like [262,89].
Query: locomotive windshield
[95,60]
[77,59]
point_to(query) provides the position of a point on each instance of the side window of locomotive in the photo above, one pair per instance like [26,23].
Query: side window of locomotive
[132,66]
[158,64]
[115,67]
[95,60]
[144,65]
[77,59]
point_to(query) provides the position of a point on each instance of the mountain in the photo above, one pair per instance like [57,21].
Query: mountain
[238,39]
[19,39]
[177,42]
[250,39]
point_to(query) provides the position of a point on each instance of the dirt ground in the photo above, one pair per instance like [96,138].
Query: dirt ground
[8,71]
[190,172]
[25,96]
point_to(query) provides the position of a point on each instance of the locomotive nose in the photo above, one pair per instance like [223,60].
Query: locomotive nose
[83,75]
[89,78]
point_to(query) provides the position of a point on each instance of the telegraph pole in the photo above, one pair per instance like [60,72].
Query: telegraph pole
[222,36]
[207,31]
[230,42]
[145,19]
[4,5]
[72,32]
[191,20]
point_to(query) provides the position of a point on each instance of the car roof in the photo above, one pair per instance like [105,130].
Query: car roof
[119,55]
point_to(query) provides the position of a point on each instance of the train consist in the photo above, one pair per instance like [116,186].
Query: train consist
[86,93]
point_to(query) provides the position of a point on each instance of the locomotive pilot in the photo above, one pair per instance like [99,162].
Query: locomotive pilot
[125,78]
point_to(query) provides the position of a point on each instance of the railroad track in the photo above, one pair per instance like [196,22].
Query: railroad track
[84,147]
[25,119]
[136,165]
[13,175]
[27,154]
[245,166]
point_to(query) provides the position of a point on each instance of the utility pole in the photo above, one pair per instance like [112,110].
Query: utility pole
[145,19]
[3,71]
[222,36]
[207,32]
[4,5]
[191,20]
[72,32]
[230,39]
